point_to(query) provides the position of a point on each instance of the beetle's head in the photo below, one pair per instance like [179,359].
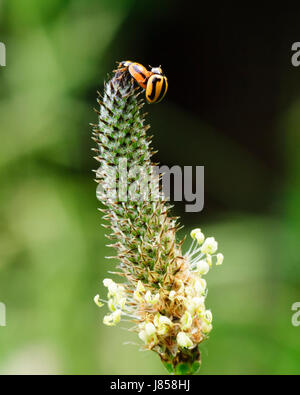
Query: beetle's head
[157,70]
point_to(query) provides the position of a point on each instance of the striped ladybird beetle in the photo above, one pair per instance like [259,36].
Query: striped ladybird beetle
[137,71]
[157,86]
[154,82]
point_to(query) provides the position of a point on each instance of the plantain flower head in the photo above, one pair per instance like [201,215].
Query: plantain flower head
[161,292]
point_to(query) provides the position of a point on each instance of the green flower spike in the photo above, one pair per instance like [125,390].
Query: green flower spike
[161,291]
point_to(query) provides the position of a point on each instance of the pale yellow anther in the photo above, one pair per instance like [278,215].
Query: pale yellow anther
[162,323]
[196,234]
[113,318]
[202,267]
[111,305]
[111,285]
[150,329]
[220,258]
[195,305]
[208,316]
[147,333]
[206,327]
[183,340]
[151,299]
[209,259]
[107,282]
[200,286]
[121,302]
[143,336]
[186,321]
[210,246]
[97,301]
[116,316]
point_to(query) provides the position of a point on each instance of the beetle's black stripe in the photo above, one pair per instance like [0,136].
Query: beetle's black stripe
[138,70]
[162,91]
[154,83]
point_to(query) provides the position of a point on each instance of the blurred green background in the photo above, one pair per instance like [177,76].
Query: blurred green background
[233,106]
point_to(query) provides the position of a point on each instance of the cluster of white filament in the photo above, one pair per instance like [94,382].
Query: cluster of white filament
[127,300]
